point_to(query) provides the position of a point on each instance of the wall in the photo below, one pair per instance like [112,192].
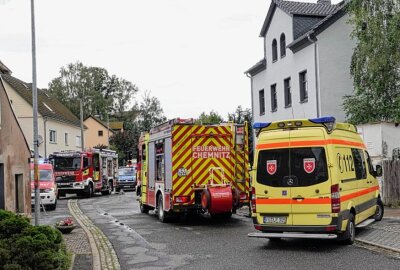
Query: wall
[92,137]
[289,66]
[14,154]
[335,49]
[24,113]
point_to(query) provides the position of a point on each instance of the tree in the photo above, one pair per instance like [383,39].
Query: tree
[212,118]
[375,65]
[100,92]
[239,117]
[149,114]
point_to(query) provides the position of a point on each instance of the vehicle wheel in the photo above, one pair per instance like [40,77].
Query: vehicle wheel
[108,191]
[160,210]
[53,206]
[89,192]
[379,210]
[143,208]
[349,235]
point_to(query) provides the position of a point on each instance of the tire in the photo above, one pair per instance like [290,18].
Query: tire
[143,208]
[53,206]
[380,210]
[89,192]
[162,215]
[349,235]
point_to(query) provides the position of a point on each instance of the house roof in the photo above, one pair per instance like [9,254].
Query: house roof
[257,68]
[303,40]
[47,106]
[100,122]
[116,125]
[4,69]
[292,8]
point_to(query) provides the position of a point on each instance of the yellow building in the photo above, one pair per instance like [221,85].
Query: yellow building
[97,132]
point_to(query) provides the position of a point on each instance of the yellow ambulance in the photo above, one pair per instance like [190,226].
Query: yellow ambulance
[312,178]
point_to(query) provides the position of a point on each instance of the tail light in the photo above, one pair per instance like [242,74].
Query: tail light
[253,199]
[182,199]
[335,198]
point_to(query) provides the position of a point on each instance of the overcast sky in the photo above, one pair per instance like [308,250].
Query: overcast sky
[191,54]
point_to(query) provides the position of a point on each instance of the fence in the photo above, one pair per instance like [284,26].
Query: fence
[391,182]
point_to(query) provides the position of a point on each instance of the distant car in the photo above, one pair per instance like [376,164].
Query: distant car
[126,179]
[47,186]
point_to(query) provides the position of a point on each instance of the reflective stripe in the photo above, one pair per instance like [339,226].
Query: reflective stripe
[309,143]
[316,200]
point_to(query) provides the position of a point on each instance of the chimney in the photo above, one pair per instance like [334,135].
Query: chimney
[324,2]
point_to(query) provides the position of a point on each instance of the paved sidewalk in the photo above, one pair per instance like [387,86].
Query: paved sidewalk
[384,234]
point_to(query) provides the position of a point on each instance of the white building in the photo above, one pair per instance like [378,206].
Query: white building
[305,70]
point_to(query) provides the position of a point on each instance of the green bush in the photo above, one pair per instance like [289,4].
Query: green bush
[23,246]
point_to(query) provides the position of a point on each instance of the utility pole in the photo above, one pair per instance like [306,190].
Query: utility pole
[82,138]
[108,131]
[35,118]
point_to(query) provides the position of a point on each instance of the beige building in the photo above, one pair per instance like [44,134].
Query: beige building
[59,128]
[15,188]
[96,132]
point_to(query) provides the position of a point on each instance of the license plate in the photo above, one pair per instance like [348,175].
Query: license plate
[276,220]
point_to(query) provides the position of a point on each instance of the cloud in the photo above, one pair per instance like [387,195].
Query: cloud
[3,2]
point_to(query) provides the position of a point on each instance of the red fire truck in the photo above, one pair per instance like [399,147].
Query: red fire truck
[85,172]
[186,167]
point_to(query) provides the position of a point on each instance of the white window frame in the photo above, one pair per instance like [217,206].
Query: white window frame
[66,138]
[55,136]
[78,141]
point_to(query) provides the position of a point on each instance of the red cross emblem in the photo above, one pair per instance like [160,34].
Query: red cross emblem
[309,165]
[271,167]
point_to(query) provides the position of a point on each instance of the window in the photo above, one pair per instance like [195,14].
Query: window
[19,193]
[274,100]
[78,142]
[100,133]
[303,86]
[66,138]
[369,163]
[261,98]
[274,50]
[86,162]
[288,93]
[160,162]
[359,163]
[53,136]
[283,45]
[292,167]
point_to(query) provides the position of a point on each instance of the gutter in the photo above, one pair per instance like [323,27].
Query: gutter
[314,40]
[252,108]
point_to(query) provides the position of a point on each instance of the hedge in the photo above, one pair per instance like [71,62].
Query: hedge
[23,246]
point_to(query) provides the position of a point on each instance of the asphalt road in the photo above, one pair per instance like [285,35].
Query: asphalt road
[142,242]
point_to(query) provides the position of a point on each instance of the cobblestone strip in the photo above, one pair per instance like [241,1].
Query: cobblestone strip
[104,256]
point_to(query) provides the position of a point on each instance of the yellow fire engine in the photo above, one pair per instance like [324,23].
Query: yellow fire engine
[189,167]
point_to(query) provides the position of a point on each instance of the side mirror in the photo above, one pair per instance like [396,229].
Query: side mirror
[378,171]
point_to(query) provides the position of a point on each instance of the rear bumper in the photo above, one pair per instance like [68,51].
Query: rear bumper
[333,227]
[294,235]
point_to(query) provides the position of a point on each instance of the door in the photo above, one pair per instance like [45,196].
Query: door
[2,186]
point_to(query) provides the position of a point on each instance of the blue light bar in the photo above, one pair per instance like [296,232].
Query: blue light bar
[261,125]
[323,120]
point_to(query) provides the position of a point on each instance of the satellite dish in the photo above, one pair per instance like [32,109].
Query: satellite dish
[40,139]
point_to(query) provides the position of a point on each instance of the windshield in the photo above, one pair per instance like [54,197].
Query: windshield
[298,167]
[66,163]
[126,171]
[44,175]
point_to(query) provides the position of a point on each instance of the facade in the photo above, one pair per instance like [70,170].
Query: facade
[96,132]
[15,188]
[305,71]
[59,128]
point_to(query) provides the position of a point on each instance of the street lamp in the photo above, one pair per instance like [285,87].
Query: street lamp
[35,118]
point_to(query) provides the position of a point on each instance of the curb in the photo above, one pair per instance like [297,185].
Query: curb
[378,245]
[103,254]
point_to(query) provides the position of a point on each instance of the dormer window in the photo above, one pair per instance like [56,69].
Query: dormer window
[283,45]
[274,50]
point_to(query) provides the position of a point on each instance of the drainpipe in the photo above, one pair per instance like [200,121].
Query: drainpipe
[45,136]
[252,110]
[314,40]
